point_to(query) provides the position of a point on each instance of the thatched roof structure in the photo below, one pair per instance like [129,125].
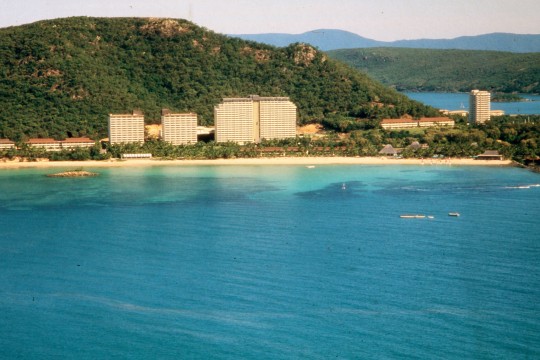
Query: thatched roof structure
[388,150]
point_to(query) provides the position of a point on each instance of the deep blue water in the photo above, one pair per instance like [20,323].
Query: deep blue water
[271,262]
[458,101]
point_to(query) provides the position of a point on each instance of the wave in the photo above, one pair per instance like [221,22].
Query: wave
[522,186]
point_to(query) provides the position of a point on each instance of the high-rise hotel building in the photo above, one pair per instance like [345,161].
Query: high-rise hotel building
[479,106]
[126,128]
[178,129]
[251,119]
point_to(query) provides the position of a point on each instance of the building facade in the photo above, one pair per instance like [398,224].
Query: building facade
[126,128]
[57,145]
[79,142]
[178,129]
[252,119]
[479,106]
[410,123]
[45,143]
[398,123]
[436,121]
[6,144]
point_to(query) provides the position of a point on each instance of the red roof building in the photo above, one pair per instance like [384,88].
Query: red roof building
[6,144]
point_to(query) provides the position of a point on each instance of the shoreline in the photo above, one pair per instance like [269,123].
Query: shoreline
[306,161]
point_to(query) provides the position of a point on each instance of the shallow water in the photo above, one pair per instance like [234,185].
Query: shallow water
[270,262]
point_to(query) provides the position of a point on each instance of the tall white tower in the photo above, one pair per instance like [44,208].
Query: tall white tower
[479,106]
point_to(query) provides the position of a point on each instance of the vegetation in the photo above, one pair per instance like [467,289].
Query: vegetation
[61,78]
[502,97]
[515,137]
[447,70]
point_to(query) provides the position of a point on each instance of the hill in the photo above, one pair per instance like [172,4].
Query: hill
[331,39]
[447,70]
[61,78]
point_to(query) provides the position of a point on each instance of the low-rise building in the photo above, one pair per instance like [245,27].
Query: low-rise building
[436,121]
[78,142]
[56,145]
[46,143]
[490,155]
[411,123]
[398,123]
[136,156]
[6,144]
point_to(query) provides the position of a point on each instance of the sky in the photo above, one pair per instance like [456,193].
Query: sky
[383,20]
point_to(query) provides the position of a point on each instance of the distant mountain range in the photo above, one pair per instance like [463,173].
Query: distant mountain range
[330,39]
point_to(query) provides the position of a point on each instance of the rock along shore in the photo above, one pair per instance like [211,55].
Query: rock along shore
[74,173]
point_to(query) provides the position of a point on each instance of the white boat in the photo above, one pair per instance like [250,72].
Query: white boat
[453,214]
[412,216]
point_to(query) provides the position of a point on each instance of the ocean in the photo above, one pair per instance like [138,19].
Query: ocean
[460,101]
[270,262]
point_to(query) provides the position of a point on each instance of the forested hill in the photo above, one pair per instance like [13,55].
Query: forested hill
[63,77]
[447,70]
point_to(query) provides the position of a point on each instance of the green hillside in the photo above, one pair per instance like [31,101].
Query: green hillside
[447,70]
[63,77]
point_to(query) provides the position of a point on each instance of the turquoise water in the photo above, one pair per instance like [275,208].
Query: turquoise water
[271,262]
[458,101]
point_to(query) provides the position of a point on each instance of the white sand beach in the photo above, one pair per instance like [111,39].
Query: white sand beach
[307,161]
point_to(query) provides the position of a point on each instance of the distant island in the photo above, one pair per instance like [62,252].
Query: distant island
[428,70]
[505,97]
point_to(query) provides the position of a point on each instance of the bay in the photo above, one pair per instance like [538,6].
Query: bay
[460,101]
[266,262]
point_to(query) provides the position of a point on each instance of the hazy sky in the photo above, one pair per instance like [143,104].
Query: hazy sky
[375,19]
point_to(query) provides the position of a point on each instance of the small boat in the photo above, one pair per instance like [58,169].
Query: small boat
[310,166]
[453,214]
[343,186]
[412,216]
[431,217]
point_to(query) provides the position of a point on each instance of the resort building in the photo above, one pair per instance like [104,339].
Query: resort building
[410,123]
[126,128]
[47,143]
[79,142]
[178,129]
[6,144]
[252,119]
[436,121]
[398,123]
[56,145]
[496,113]
[479,106]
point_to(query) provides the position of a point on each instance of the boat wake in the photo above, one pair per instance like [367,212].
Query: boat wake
[522,186]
